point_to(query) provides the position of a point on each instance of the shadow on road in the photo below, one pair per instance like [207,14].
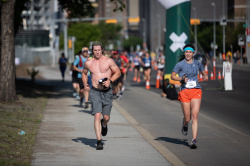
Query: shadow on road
[86,141]
[174,140]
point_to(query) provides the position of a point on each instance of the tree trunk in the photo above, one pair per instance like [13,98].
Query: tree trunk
[7,67]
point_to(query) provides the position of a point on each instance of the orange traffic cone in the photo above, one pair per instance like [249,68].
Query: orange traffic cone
[212,76]
[200,79]
[219,75]
[147,84]
[206,70]
[158,81]
[156,67]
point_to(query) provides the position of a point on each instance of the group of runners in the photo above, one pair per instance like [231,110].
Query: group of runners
[101,77]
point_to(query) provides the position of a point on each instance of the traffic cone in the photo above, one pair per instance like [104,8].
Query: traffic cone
[158,81]
[200,79]
[206,70]
[212,76]
[147,84]
[219,75]
[156,67]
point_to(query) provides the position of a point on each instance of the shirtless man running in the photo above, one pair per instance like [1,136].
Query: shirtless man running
[100,67]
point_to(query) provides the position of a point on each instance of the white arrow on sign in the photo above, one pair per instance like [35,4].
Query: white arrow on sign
[178,41]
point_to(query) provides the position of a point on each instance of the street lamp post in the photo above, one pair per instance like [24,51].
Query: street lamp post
[214,45]
[223,25]
[144,33]
[214,42]
[159,32]
[195,29]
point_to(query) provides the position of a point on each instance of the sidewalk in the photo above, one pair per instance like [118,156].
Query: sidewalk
[66,135]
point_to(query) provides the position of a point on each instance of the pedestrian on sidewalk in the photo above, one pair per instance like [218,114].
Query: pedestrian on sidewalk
[62,64]
[100,67]
[190,91]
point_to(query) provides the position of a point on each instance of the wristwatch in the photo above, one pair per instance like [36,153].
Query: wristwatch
[110,81]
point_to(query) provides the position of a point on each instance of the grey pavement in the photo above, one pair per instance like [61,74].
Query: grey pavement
[66,134]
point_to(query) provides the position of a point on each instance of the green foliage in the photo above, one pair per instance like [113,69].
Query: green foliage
[205,36]
[119,5]
[78,8]
[110,32]
[32,73]
[19,7]
[132,42]
[84,33]
[232,35]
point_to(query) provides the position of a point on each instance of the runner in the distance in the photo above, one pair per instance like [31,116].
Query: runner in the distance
[137,65]
[190,91]
[100,67]
[79,62]
[147,63]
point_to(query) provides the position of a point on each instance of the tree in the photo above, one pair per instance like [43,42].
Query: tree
[7,65]
[77,8]
[110,32]
[84,32]
[7,49]
[133,41]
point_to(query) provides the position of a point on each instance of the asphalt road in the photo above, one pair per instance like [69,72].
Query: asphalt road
[224,128]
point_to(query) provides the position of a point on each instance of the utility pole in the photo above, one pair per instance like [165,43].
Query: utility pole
[195,29]
[248,30]
[214,42]
[159,32]
[223,22]
[144,34]
[65,29]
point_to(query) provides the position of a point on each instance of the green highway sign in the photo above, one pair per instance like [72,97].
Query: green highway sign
[245,25]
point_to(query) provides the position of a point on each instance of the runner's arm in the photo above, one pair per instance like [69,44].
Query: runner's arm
[115,69]
[175,78]
[85,77]
[205,76]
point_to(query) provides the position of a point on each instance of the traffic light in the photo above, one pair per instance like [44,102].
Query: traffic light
[195,21]
[111,21]
[135,19]
[70,43]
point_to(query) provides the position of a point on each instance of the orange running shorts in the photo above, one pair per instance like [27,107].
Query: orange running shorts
[187,95]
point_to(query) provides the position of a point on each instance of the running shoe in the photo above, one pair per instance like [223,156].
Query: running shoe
[81,102]
[123,88]
[121,93]
[77,96]
[74,94]
[85,105]
[99,145]
[104,129]
[193,144]
[184,129]
[118,97]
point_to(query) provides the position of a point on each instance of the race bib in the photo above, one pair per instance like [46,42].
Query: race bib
[147,64]
[136,63]
[191,84]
